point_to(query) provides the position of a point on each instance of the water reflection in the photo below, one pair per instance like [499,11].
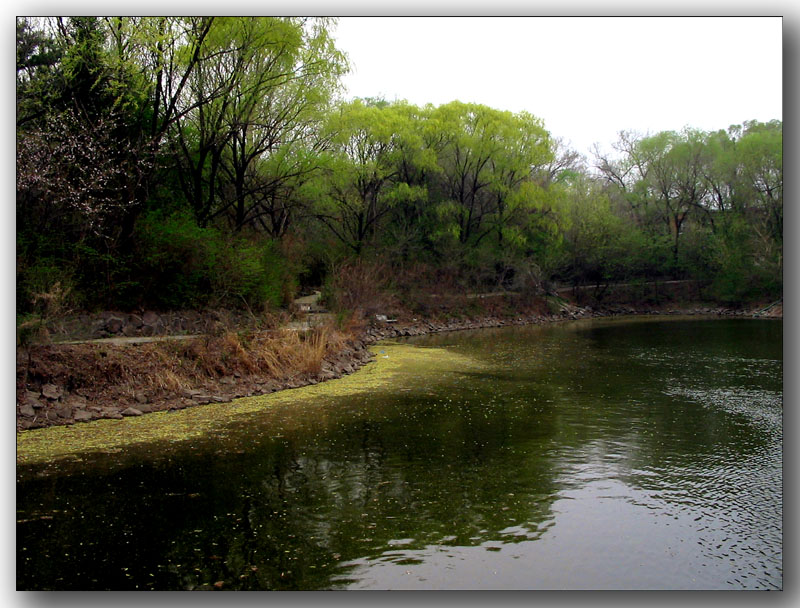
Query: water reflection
[592,455]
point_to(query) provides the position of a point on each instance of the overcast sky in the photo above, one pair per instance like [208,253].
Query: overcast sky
[587,78]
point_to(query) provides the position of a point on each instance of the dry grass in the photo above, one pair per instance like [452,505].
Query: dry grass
[277,354]
[169,367]
[284,353]
[166,380]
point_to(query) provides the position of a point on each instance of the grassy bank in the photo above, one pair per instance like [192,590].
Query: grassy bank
[66,383]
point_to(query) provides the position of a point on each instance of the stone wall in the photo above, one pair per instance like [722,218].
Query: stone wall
[110,324]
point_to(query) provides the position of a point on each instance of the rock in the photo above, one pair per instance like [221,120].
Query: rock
[75,401]
[151,318]
[191,393]
[63,411]
[82,416]
[33,401]
[51,391]
[131,411]
[114,325]
[177,325]
[140,397]
[27,410]
[135,321]
[112,414]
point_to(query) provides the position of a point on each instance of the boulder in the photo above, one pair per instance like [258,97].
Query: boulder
[98,327]
[32,399]
[27,410]
[135,321]
[151,318]
[75,401]
[114,325]
[51,391]
[64,412]
[82,416]
[131,411]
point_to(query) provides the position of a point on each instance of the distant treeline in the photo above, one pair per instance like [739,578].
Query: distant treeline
[204,161]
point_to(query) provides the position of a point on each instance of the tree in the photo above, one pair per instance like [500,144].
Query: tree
[661,176]
[760,153]
[360,184]
[275,118]
[38,58]
[486,157]
[256,97]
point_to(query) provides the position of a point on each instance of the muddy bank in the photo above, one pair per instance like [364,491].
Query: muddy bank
[63,384]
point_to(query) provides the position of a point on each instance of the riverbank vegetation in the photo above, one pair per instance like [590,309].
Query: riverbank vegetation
[175,163]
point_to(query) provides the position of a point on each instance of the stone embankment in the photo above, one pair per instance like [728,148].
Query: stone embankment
[55,403]
[110,324]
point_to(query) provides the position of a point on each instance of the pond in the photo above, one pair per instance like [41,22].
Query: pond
[638,453]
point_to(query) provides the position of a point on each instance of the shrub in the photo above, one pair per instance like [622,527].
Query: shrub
[189,266]
[361,287]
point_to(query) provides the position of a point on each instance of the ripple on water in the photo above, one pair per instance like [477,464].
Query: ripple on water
[763,408]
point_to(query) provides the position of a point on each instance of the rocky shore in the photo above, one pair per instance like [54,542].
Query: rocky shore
[48,393]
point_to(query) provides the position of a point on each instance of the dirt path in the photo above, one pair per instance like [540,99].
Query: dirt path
[132,340]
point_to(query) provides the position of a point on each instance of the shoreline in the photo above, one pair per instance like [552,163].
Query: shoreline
[53,396]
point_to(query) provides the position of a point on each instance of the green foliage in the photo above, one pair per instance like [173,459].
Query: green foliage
[203,161]
[191,266]
[739,274]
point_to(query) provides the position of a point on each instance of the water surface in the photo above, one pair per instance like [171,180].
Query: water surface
[624,454]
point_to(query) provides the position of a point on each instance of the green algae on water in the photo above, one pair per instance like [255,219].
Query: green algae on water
[395,366]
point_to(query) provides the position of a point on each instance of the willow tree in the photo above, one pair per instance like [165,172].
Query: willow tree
[487,158]
[275,118]
[361,183]
[255,97]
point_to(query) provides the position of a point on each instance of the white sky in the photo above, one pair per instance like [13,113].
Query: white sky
[588,78]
